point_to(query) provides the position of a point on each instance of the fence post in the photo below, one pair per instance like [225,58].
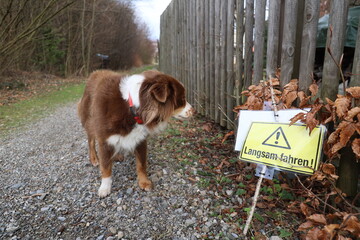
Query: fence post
[230,63]
[335,43]
[239,49]
[288,42]
[308,44]
[259,40]
[355,78]
[223,76]
[217,60]
[212,59]
[249,24]
[273,38]
[207,59]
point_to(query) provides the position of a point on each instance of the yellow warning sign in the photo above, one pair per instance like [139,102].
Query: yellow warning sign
[286,147]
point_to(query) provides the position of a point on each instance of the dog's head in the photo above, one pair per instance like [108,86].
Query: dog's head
[162,97]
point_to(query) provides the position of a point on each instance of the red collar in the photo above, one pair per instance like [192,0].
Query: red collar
[132,110]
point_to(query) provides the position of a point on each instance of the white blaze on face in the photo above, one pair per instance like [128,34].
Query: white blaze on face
[184,113]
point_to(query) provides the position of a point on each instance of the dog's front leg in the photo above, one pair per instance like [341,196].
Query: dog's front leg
[141,165]
[105,152]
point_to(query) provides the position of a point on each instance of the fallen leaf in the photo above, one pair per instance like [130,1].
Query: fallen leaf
[245,92]
[354,92]
[207,127]
[298,117]
[290,98]
[334,136]
[331,229]
[337,146]
[352,113]
[292,85]
[274,81]
[329,119]
[301,95]
[328,168]
[318,176]
[346,133]
[311,121]
[317,218]
[316,234]
[314,89]
[261,205]
[352,225]
[251,87]
[305,209]
[355,145]
[342,104]
[328,100]
[231,133]
[305,226]
[341,237]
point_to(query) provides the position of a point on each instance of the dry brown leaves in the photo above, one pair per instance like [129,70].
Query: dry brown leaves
[340,225]
[341,112]
[344,113]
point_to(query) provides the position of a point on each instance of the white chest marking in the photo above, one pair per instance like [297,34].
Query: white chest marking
[129,142]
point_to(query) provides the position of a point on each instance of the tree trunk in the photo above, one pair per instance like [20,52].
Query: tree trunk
[348,172]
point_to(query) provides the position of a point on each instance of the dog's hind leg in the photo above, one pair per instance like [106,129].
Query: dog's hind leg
[105,153]
[92,151]
[141,165]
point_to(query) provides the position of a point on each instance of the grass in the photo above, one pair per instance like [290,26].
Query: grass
[16,115]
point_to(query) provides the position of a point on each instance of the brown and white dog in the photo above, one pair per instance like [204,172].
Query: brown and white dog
[120,112]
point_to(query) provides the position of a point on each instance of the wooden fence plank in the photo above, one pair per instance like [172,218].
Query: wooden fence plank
[201,47]
[223,76]
[355,78]
[239,49]
[230,63]
[212,59]
[273,38]
[197,46]
[189,50]
[193,51]
[288,44]
[308,45]
[198,60]
[207,59]
[337,21]
[217,60]
[259,40]
[249,23]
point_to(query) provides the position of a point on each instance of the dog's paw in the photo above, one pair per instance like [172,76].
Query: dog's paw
[105,187]
[94,161]
[145,185]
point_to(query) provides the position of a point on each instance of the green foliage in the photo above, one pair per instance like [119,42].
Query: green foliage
[285,195]
[240,191]
[49,55]
[285,233]
[204,183]
[224,180]
[16,115]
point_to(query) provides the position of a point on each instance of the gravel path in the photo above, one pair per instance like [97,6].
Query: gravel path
[49,191]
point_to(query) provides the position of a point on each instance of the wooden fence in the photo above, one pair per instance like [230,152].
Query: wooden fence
[217,48]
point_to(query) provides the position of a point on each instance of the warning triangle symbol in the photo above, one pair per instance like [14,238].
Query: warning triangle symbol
[277,139]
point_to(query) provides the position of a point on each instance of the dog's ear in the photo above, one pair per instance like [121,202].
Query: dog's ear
[160,91]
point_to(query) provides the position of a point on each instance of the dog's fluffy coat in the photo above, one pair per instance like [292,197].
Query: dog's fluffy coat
[106,116]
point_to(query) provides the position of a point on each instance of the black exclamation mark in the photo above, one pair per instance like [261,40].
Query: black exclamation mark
[277,137]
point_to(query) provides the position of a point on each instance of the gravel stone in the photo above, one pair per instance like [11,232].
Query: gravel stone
[51,189]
